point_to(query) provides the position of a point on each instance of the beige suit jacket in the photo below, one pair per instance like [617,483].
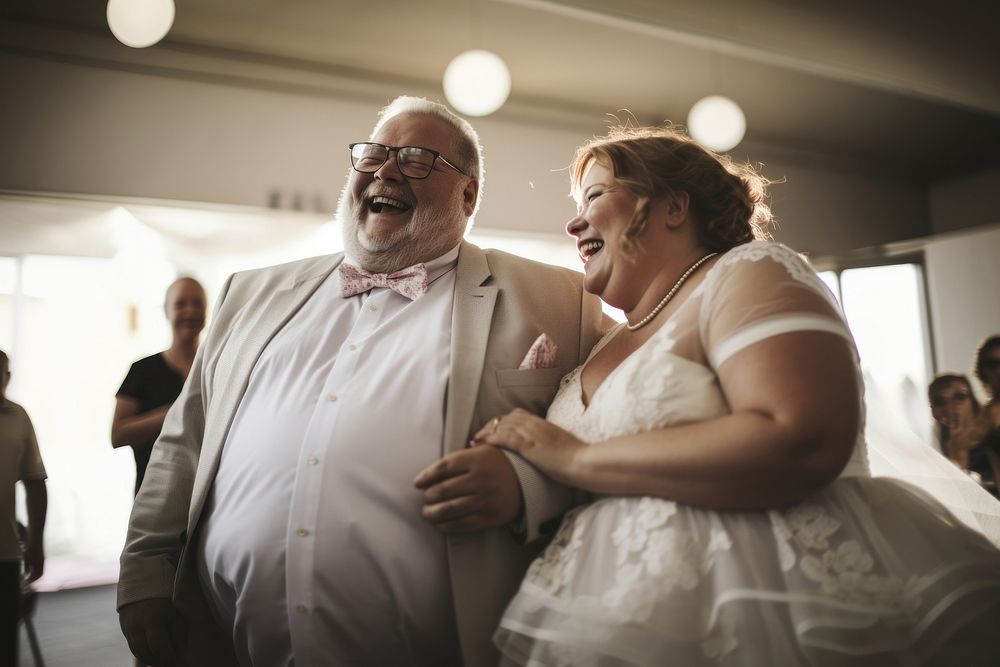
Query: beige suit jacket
[502,303]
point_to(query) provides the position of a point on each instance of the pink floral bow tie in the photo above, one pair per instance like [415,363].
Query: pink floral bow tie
[410,282]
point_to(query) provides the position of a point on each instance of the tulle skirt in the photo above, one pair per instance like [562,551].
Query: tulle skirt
[865,572]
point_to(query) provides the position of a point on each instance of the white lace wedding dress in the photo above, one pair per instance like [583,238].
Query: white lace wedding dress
[867,571]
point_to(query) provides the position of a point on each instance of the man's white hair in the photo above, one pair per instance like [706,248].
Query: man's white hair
[468,147]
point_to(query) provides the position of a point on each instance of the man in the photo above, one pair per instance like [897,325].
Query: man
[19,460]
[281,501]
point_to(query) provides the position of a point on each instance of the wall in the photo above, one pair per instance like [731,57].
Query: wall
[963,267]
[963,272]
[965,202]
[212,130]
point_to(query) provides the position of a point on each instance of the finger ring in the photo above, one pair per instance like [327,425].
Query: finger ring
[496,423]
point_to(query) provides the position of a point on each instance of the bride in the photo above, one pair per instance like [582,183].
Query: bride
[720,431]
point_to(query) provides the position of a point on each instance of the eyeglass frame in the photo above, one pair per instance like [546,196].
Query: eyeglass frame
[397,149]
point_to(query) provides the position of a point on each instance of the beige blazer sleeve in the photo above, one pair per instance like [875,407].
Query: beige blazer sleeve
[159,519]
[549,300]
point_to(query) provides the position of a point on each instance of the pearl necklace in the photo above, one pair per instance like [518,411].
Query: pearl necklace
[673,290]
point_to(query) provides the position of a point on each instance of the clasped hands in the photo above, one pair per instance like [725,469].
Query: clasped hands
[477,487]
[553,450]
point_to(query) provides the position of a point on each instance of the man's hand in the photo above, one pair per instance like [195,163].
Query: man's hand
[152,628]
[469,490]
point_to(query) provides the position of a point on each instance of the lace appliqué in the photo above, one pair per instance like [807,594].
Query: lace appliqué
[567,410]
[654,557]
[843,571]
[557,565]
[782,254]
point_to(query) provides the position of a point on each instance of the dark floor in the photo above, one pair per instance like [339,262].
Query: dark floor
[77,627]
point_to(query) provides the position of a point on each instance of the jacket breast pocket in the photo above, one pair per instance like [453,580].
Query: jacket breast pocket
[529,388]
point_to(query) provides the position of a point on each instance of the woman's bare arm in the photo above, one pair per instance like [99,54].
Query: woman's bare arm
[130,427]
[795,417]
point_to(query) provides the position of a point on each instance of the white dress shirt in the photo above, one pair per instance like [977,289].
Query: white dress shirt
[312,548]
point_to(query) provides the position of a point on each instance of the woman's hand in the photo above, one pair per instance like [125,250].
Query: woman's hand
[554,451]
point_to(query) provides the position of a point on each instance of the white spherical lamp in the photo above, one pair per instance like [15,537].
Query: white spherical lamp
[717,122]
[140,23]
[477,83]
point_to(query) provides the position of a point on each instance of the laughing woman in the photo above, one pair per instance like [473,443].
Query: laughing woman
[721,432]
[153,383]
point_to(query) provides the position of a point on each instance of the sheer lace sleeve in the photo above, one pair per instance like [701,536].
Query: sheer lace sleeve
[759,290]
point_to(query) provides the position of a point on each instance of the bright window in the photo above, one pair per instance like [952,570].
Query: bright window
[884,307]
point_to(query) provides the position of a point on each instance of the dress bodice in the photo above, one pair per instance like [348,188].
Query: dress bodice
[632,399]
[655,387]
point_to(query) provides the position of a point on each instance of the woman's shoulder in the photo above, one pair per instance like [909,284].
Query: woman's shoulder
[154,364]
[763,249]
[758,259]
[152,361]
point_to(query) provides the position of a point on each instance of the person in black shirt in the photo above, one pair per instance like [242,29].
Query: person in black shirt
[153,383]
[988,373]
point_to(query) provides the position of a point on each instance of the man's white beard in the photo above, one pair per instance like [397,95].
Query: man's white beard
[428,234]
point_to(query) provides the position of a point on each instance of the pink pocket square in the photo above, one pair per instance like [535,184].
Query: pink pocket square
[542,354]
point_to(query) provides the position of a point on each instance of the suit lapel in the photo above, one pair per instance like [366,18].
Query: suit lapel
[275,311]
[472,316]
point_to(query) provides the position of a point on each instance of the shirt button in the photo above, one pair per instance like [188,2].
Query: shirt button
[352,347]
[331,397]
[372,307]
[301,609]
[312,460]
[302,532]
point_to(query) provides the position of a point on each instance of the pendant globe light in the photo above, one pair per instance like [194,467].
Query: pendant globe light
[477,82]
[140,23]
[717,122]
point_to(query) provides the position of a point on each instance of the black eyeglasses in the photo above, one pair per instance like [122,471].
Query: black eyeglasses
[413,161]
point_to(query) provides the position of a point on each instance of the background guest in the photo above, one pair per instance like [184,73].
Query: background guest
[959,416]
[153,383]
[988,372]
[19,461]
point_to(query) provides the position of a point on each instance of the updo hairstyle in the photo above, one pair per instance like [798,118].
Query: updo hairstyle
[728,200]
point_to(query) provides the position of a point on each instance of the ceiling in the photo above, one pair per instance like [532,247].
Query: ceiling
[911,87]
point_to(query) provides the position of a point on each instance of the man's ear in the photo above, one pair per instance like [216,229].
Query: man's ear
[470,196]
[677,208]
